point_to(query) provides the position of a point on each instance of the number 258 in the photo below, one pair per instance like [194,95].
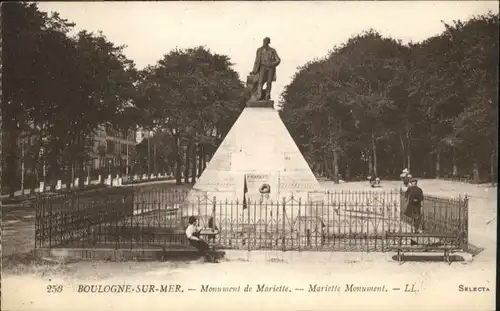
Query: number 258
[54,289]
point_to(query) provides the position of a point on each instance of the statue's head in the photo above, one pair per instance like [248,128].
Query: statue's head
[267,40]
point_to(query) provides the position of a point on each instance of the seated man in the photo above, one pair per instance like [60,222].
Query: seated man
[193,236]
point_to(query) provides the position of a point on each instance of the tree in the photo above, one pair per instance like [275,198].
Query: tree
[59,89]
[378,68]
[475,128]
[453,77]
[31,37]
[347,101]
[164,156]
[195,97]
[429,105]
[102,91]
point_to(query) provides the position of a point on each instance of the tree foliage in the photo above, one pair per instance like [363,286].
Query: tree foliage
[193,95]
[371,106]
[376,105]
[58,89]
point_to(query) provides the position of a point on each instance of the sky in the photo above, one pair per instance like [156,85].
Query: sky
[299,31]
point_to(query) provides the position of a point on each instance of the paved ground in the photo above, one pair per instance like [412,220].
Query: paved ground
[436,285]
[25,287]
[18,230]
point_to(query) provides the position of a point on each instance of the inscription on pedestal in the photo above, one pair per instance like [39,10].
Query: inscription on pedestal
[289,182]
[221,182]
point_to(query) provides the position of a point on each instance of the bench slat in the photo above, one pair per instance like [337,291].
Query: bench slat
[209,234]
[423,248]
[423,235]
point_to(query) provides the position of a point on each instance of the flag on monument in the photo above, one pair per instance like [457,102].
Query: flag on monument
[245,190]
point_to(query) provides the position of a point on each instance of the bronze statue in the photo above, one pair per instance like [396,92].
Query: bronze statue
[264,71]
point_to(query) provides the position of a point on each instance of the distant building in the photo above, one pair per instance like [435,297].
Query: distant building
[112,148]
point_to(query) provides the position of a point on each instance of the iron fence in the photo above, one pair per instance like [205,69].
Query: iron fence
[331,221]
[443,215]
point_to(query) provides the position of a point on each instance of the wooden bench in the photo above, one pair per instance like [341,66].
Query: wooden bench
[184,245]
[451,243]
[164,236]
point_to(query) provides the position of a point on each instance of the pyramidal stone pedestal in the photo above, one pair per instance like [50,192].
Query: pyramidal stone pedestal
[257,151]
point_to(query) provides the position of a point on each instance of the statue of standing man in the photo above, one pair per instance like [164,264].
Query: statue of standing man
[264,71]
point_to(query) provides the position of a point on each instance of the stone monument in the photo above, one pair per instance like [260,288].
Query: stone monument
[258,161]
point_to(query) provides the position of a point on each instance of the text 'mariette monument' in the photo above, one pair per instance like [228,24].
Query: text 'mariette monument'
[258,159]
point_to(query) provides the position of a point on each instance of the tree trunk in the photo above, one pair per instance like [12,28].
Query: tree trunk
[493,165]
[67,173]
[403,150]
[409,161]
[10,178]
[193,162]
[475,172]
[374,148]
[178,171]
[328,171]
[454,167]
[34,172]
[72,181]
[408,150]
[187,161]
[370,165]
[178,161]
[204,158]
[335,167]
[438,164]
[200,162]
[82,175]
[325,166]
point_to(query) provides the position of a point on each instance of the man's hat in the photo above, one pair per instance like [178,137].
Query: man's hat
[413,180]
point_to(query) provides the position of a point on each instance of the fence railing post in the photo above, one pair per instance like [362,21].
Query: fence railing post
[37,219]
[249,230]
[283,226]
[61,219]
[214,206]
[466,223]
[50,224]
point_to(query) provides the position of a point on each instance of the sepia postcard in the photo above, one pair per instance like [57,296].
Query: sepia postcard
[330,155]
